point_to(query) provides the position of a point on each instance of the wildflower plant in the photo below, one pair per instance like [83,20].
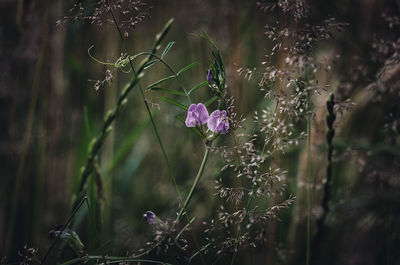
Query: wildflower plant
[250,187]
[216,192]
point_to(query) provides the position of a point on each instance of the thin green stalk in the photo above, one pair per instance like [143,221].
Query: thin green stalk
[196,181]
[150,55]
[149,111]
[172,71]
[112,114]
[85,199]
[308,254]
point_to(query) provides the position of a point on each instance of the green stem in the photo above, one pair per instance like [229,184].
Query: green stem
[110,117]
[64,227]
[151,55]
[196,181]
[172,71]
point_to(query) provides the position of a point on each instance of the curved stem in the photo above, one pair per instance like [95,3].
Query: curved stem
[196,181]
[98,141]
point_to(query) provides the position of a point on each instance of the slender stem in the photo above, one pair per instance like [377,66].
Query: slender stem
[84,199]
[308,254]
[98,141]
[171,174]
[196,181]
[171,70]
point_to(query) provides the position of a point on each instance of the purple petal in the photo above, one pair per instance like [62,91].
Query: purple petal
[190,120]
[192,108]
[202,113]
[197,115]
[213,120]
[218,122]
[209,76]
[150,217]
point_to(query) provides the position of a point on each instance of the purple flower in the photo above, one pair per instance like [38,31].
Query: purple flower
[209,76]
[218,122]
[150,217]
[197,115]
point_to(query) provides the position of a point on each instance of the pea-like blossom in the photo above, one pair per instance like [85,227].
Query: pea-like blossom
[218,122]
[150,217]
[197,115]
[209,76]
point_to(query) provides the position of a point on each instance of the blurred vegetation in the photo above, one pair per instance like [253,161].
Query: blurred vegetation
[50,111]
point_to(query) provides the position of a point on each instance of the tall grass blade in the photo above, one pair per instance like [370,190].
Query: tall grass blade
[167,48]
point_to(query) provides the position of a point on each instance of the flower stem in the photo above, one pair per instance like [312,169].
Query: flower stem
[196,181]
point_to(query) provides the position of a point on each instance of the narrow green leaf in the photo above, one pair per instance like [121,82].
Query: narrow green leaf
[173,101]
[214,98]
[184,69]
[167,48]
[197,87]
[169,91]
[160,81]
[205,37]
[149,64]
[194,129]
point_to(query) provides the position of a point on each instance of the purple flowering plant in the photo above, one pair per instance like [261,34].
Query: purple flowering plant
[150,217]
[217,122]
[246,159]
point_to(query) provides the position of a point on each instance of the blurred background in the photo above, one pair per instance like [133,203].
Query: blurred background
[50,110]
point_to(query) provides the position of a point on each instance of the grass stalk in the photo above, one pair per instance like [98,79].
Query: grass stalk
[171,174]
[308,253]
[76,209]
[98,142]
